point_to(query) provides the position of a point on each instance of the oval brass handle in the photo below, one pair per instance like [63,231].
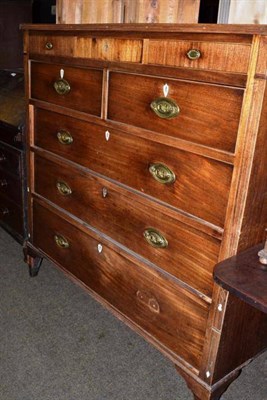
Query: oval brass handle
[162,173]
[2,157]
[155,238]
[193,54]
[164,107]
[62,86]
[64,137]
[61,241]
[49,46]
[3,182]
[4,211]
[63,188]
[149,300]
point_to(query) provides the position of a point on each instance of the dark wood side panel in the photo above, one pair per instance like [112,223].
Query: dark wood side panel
[11,186]
[255,217]
[10,159]
[165,310]
[243,336]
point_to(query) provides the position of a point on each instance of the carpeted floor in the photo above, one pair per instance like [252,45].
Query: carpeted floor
[56,343]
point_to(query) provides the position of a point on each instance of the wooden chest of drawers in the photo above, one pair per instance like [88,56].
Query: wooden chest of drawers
[147,165]
[12,154]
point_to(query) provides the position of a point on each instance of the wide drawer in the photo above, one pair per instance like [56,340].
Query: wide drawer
[99,48]
[72,87]
[189,255]
[11,186]
[137,163]
[10,159]
[168,313]
[11,215]
[206,114]
[199,54]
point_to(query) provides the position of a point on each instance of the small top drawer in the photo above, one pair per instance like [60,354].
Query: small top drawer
[228,57]
[99,48]
[71,87]
[11,216]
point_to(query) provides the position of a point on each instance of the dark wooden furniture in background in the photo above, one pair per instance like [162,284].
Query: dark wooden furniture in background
[12,14]
[245,277]
[147,165]
[12,154]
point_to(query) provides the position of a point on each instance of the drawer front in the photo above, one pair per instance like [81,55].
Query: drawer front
[10,160]
[111,49]
[128,159]
[188,255]
[227,57]
[208,114]
[81,88]
[11,187]
[165,311]
[11,215]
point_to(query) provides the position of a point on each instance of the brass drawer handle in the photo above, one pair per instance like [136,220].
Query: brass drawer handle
[3,182]
[2,157]
[4,211]
[193,54]
[64,137]
[49,46]
[155,238]
[148,300]
[61,242]
[162,173]
[164,107]
[62,86]
[63,188]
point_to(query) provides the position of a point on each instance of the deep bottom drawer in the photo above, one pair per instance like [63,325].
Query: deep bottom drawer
[168,313]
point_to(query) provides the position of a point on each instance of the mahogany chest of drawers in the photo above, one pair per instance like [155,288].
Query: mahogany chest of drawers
[12,154]
[147,165]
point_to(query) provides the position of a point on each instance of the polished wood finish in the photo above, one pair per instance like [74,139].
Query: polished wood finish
[98,157]
[214,55]
[92,196]
[80,80]
[156,30]
[245,277]
[126,286]
[91,149]
[96,48]
[198,122]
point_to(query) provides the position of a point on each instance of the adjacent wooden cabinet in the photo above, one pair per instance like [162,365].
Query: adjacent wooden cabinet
[12,154]
[147,165]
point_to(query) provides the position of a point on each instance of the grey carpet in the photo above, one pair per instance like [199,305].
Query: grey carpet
[57,343]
